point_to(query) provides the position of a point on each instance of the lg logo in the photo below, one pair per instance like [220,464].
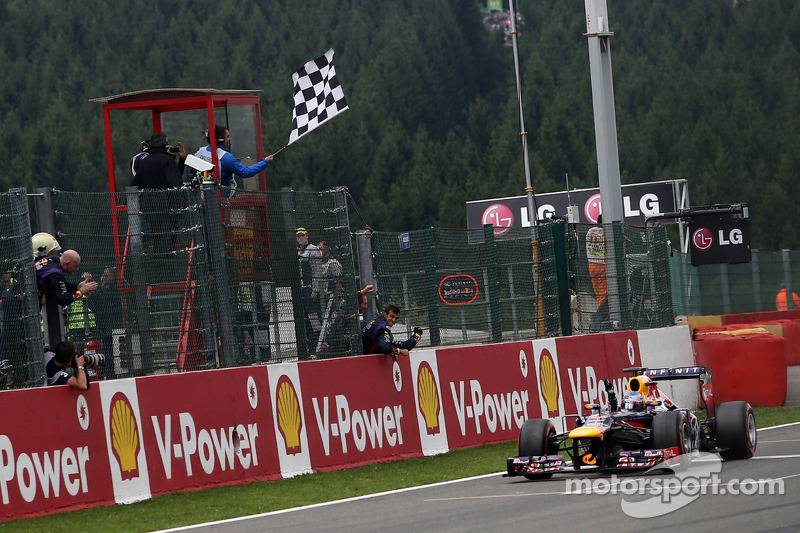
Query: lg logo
[500,216]
[703,238]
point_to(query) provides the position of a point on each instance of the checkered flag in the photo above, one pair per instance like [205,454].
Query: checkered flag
[317,95]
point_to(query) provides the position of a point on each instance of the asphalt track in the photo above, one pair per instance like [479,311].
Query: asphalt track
[513,504]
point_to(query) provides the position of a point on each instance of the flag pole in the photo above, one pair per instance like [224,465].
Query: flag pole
[279,151]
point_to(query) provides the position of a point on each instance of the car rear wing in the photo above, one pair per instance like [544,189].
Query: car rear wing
[667,374]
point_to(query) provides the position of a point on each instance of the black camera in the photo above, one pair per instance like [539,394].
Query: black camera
[173,149]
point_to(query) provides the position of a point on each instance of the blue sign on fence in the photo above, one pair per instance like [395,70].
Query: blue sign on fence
[405,241]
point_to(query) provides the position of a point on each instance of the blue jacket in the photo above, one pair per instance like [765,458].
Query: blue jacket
[52,282]
[378,338]
[228,166]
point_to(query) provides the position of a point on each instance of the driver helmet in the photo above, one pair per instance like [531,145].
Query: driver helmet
[633,401]
[44,244]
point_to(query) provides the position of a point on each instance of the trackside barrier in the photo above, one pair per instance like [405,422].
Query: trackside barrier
[130,439]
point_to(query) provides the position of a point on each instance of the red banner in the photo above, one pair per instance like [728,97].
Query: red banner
[359,410]
[52,452]
[207,428]
[487,392]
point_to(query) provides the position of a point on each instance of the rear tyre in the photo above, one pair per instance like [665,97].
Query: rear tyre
[736,431]
[534,441]
[671,430]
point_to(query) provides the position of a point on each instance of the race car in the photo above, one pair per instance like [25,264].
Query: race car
[646,430]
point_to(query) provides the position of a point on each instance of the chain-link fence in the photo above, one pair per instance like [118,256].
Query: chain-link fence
[740,288]
[189,282]
[469,286]
[21,362]
[620,278]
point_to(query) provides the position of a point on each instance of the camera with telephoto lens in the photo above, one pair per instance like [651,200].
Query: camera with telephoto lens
[95,359]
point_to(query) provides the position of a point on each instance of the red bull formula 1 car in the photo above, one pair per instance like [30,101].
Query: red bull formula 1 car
[646,430]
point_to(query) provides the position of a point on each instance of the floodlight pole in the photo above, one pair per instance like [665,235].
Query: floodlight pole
[605,123]
[598,37]
[532,216]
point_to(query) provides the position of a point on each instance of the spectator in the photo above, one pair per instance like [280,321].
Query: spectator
[336,341]
[228,164]
[57,362]
[378,338]
[782,300]
[595,255]
[330,273]
[106,304]
[12,327]
[310,258]
[52,282]
[362,304]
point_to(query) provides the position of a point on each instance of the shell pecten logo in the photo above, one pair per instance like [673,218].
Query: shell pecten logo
[428,396]
[290,420]
[548,380]
[125,440]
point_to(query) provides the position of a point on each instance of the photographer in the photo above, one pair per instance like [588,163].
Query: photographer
[59,362]
[155,166]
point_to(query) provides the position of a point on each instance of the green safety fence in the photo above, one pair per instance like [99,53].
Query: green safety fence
[469,286]
[21,361]
[190,281]
[620,278]
[738,288]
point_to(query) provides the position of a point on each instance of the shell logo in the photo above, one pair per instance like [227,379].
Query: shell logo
[290,420]
[428,396]
[124,436]
[549,382]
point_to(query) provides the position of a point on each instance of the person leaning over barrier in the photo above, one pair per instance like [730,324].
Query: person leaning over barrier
[58,362]
[378,338]
[53,284]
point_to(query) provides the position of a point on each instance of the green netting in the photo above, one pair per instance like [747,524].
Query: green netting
[278,302]
[21,354]
[621,281]
[154,309]
[739,288]
[468,286]
[189,282]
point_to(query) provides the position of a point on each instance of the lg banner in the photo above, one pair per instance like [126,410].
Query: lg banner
[640,201]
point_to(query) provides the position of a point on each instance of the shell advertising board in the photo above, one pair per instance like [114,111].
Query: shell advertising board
[207,428]
[52,452]
[359,410]
[487,392]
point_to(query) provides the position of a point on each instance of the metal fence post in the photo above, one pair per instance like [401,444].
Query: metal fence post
[493,286]
[787,277]
[725,288]
[757,301]
[365,271]
[220,279]
[432,284]
[141,312]
[53,315]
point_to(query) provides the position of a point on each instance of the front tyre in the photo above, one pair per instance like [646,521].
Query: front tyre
[534,441]
[671,430]
[736,431]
